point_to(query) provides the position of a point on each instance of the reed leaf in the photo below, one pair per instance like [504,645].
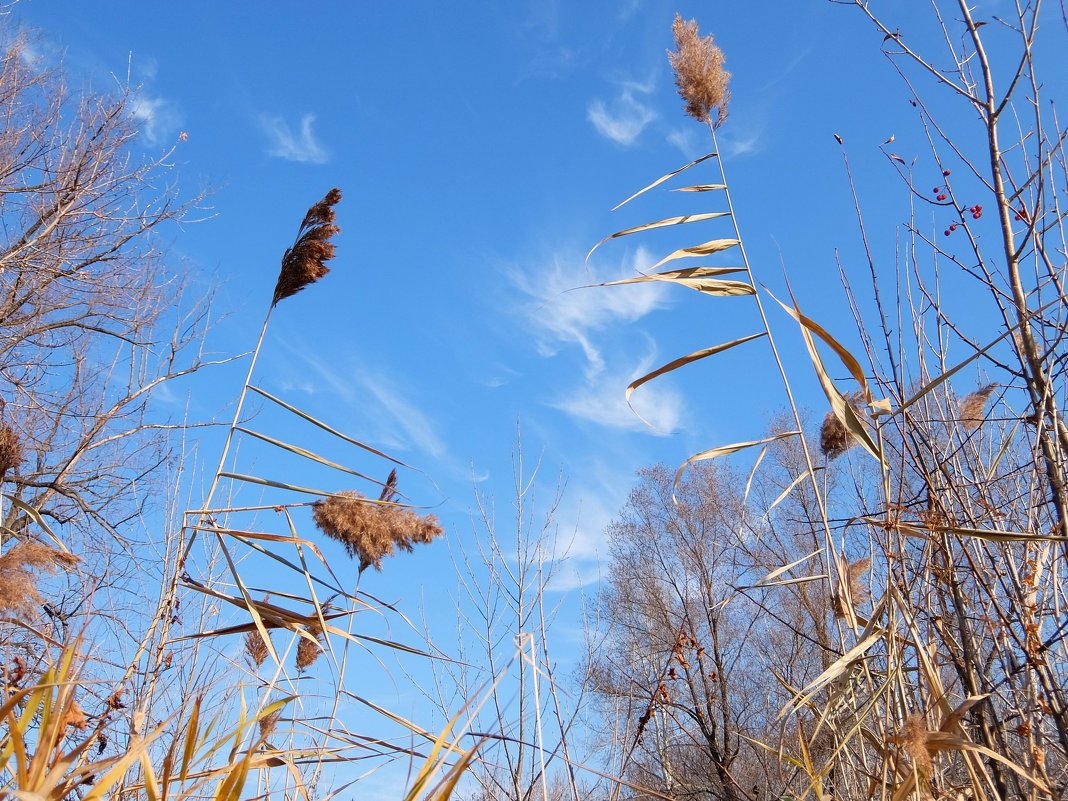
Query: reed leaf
[681,220]
[663,178]
[704,249]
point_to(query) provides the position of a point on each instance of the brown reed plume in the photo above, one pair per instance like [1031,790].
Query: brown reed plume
[371,531]
[18,584]
[699,74]
[256,648]
[307,650]
[913,741]
[973,407]
[304,263]
[856,572]
[11,455]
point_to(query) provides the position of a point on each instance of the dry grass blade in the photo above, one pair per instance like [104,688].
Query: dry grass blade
[663,178]
[319,423]
[682,361]
[299,451]
[701,188]
[705,249]
[687,218]
[842,665]
[305,262]
[724,450]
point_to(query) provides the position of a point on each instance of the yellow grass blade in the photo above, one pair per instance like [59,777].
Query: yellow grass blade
[663,178]
[700,188]
[682,361]
[843,664]
[705,249]
[697,278]
[299,451]
[686,218]
[329,429]
[724,450]
[36,517]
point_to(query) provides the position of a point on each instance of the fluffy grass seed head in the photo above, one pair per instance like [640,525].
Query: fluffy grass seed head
[304,263]
[699,74]
[835,438]
[11,455]
[307,650]
[256,648]
[913,739]
[973,407]
[856,573]
[18,583]
[372,531]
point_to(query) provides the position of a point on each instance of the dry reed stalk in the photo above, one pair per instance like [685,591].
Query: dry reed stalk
[371,531]
[304,263]
[973,407]
[699,73]
[18,584]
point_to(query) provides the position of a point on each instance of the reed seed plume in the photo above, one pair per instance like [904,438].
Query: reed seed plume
[835,438]
[307,650]
[256,648]
[973,407]
[11,455]
[699,74]
[19,592]
[856,572]
[304,262]
[372,531]
[913,740]
[270,723]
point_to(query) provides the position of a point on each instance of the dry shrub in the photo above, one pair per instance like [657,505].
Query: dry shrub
[304,263]
[371,531]
[11,455]
[973,407]
[18,584]
[699,73]
[308,650]
[256,648]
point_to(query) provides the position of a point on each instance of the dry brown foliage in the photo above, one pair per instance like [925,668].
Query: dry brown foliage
[973,407]
[304,263]
[18,584]
[699,73]
[372,531]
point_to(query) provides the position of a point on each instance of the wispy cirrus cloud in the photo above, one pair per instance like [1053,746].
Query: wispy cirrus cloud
[156,117]
[301,146]
[623,118]
[601,399]
[560,314]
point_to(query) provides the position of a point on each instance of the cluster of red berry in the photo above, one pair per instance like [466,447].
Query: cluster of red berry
[1022,215]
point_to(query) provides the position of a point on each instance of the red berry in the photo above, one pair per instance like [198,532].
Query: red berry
[941,197]
[937,189]
[976,216]
[946,232]
[953,227]
[945,172]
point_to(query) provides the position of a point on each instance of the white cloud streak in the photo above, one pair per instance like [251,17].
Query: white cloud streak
[283,143]
[622,120]
[561,314]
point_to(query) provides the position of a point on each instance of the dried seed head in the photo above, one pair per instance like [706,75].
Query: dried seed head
[699,73]
[913,739]
[307,650]
[18,585]
[11,455]
[371,531]
[256,648]
[858,588]
[835,438]
[303,263]
[973,407]
[269,724]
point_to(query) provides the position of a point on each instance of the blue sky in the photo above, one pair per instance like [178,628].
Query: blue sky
[480,147]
